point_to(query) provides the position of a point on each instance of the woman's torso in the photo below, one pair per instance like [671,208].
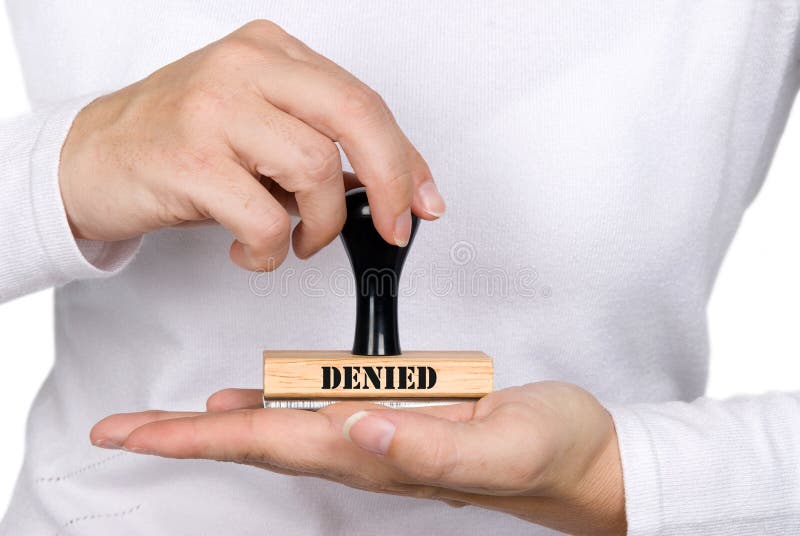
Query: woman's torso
[596,158]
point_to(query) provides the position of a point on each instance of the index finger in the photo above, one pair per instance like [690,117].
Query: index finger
[338,105]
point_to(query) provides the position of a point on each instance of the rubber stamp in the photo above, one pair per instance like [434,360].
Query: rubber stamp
[375,370]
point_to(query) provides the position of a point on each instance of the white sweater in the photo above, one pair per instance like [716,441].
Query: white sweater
[596,157]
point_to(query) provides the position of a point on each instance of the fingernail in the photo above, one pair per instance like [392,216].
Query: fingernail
[106,444]
[369,432]
[402,229]
[431,199]
[137,450]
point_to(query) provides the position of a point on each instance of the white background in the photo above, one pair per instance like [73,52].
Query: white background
[753,312]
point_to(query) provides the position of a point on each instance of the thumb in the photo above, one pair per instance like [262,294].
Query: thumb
[428,449]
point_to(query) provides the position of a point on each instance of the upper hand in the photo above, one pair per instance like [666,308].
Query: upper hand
[192,141]
[546,452]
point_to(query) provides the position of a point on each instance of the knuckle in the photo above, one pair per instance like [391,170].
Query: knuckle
[273,229]
[165,213]
[294,48]
[191,163]
[231,50]
[262,27]
[321,162]
[197,104]
[362,102]
[402,183]
[265,34]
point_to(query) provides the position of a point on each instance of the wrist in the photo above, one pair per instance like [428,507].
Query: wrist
[600,494]
[70,169]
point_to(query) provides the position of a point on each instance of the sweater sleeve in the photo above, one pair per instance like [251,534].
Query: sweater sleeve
[37,249]
[711,467]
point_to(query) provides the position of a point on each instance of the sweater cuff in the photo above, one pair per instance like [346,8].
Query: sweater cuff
[70,258]
[711,467]
[640,470]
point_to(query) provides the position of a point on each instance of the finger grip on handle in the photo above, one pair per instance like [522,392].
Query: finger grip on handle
[376,266]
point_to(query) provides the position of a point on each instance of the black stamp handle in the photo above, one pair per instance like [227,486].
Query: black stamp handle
[377,266]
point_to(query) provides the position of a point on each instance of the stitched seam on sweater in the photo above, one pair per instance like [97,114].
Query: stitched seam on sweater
[734,521]
[94,517]
[657,476]
[85,468]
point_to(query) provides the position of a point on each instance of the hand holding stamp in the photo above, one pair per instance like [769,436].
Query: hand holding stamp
[545,452]
[376,369]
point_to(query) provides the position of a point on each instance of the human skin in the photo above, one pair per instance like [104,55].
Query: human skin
[196,139]
[244,132]
[545,452]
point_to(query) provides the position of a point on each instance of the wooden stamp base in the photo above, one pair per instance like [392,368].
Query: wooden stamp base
[314,379]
